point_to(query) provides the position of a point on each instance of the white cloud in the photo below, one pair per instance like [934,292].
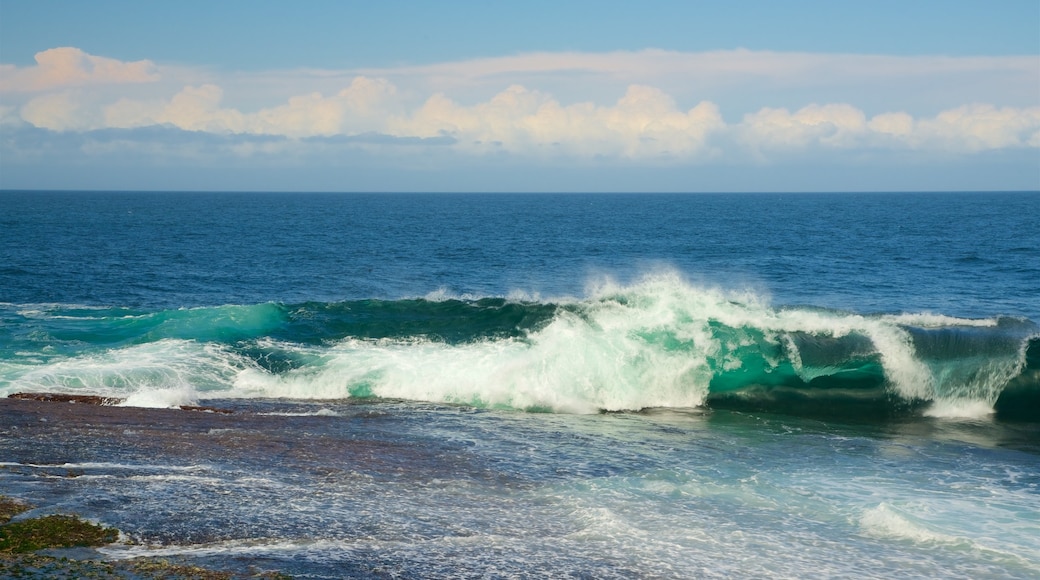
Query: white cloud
[198,109]
[979,127]
[66,67]
[61,111]
[645,122]
[128,113]
[965,129]
[836,125]
[894,124]
[622,105]
[362,106]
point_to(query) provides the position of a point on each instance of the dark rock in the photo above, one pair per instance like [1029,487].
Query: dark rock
[101,401]
[62,398]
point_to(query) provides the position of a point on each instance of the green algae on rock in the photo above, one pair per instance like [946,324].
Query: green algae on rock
[11,507]
[54,531]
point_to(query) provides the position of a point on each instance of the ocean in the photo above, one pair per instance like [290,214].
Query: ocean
[531,385]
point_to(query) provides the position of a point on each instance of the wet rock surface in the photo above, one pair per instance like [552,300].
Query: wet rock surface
[101,401]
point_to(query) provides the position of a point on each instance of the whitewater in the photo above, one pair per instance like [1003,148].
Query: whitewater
[516,385]
[660,342]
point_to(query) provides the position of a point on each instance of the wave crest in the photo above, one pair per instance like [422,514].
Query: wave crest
[659,342]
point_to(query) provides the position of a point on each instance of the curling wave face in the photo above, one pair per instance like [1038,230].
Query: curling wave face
[659,342]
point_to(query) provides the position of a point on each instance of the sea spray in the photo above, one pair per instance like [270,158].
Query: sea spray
[164,373]
[657,342]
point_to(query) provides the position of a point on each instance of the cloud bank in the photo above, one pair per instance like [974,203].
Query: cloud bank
[649,107]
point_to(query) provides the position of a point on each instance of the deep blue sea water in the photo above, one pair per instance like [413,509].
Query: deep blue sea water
[509,385]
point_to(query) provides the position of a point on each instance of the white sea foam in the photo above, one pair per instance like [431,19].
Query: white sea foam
[318,413]
[959,409]
[648,344]
[162,398]
[191,479]
[105,466]
[568,366]
[443,294]
[885,521]
[165,373]
[45,310]
[603,524]
[257,546]
[652,343]
[928,320]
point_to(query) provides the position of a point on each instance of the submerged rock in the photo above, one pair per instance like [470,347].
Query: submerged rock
[11,507]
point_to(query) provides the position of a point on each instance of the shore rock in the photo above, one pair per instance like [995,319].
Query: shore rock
[101,401]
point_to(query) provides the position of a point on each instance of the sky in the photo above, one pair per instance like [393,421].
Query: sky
[520,96]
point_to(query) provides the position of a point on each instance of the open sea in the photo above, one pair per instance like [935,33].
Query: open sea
[531,385]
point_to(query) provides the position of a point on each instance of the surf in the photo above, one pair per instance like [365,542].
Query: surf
[660,341]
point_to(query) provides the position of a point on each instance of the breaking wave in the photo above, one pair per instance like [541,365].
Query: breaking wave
[661,342]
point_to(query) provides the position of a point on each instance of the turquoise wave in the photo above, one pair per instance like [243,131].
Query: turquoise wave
[658,343]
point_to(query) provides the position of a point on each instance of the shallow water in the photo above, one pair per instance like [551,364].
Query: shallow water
[336,489]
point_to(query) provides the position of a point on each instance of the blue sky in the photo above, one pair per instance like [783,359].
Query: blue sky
[532,96]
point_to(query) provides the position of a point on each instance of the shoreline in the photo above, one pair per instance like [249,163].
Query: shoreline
[61,558]
[359,489]
[64,546]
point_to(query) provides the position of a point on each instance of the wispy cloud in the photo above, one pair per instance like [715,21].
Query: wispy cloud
[720,66]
